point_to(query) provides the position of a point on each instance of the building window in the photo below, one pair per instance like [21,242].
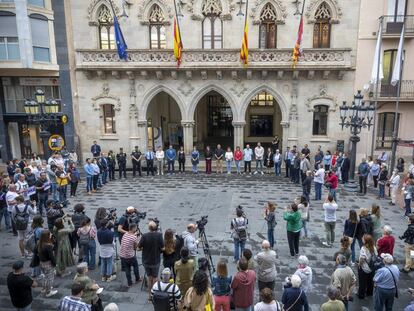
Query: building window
[157,28]
[40,38]
[109,118]
[40,3]
[387,89]
[385,128]
[106,29]
[320,120]
[268,30]
[322,27]
[261,125]
[9,42]
[212,25]
[263,99]
[6,1]
[397,8]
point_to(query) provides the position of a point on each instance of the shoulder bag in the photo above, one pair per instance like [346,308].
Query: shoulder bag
[395,283]
[293,304]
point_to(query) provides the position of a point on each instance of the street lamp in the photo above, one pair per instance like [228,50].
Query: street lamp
[45,113]
[356,117]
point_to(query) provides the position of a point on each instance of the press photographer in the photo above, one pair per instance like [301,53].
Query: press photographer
[131,216]
[54,210]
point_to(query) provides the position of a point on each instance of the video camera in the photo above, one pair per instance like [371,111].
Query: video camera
[55,204]
[202,222]
[136,217]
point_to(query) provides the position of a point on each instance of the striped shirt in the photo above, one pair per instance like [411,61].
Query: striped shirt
[69,303]
[128,243]
[173,292]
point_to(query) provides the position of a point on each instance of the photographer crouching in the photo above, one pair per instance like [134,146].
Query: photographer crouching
[131,216]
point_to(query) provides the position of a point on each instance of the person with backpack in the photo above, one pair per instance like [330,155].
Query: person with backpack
[366,267]
[77,217]
[239,227]
[21,216]
[165,294]
[366,221]
[87,235]
[221,283]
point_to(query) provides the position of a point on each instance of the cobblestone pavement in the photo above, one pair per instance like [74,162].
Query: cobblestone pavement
[179,199]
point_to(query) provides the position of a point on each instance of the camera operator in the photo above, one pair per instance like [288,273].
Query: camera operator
[191,243]
[53,212]
[152,245]
[131,216]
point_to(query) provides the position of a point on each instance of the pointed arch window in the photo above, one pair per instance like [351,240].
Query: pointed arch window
[108,112]
[157,28]
[106,29]
[322,27]
[268,29]
[212,25]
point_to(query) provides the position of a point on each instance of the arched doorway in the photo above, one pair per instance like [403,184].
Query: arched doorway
[213,122]
[263,120]
[164,122]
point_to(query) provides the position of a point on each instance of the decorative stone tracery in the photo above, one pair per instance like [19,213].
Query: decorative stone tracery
[211,7]
[323,98]
[95,7]
[324,9]
[268,13]
[106,98]
[146,6]
[273,9]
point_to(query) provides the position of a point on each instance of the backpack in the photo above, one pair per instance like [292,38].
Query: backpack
[375,263]
[161,298]
[21,219]
[240,229]
[368,225]
[29,241]
[84,238]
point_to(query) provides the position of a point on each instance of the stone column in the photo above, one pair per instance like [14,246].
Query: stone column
[238,133]
[134,137]
[188,127]
[293,117]
[142,135]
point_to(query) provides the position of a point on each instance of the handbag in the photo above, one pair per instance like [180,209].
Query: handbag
[353,236]
[395,284]
[293,304]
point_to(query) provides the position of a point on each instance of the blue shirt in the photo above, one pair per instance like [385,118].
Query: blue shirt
[363,169]
[88,168]
[69,303]
[327,159]
[247,154]
[171,154]
[383,277]
[375,169]
[290,156]
[149,155]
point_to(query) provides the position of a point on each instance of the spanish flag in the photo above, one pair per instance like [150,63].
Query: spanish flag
[178,45]
[244,51]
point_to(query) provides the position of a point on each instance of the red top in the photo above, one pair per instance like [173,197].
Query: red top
[386,245]
[243,288]
[238,155]
[333,160]
[333,179]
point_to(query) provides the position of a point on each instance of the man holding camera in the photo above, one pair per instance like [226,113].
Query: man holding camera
[151,244]
[125,222]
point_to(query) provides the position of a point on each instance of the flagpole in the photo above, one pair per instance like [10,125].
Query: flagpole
[377,84]
[397,103]
[178,24]
[245,18]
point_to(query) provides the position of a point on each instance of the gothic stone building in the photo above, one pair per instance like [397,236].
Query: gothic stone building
[211,98]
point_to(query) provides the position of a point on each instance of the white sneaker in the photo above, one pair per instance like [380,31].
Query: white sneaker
[111,278]
[51,293]
[326,244]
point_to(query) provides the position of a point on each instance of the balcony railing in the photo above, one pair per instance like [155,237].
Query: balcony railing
[329,59]
[392,24]
[407,90]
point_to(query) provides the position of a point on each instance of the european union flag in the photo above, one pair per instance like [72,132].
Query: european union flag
[120,41]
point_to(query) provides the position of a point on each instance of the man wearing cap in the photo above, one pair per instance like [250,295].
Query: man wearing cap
[74,302]
[164,285]
[386,279]
[151,244]
[20,287]
[136,157]
[89,294]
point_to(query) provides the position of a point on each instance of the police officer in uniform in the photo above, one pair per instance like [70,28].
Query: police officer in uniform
[111,165]
[136,157]
[121,158]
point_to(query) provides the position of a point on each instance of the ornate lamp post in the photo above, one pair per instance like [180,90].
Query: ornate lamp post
[44,113]
[356,117]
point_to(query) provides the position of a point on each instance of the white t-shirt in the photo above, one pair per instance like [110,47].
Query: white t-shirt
[159,155]
[11,196]
[330,211]
[229,156]
[259,152]
[21,188]
[319,176]
[273,306]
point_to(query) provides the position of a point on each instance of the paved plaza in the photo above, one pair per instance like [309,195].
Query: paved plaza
[179,199]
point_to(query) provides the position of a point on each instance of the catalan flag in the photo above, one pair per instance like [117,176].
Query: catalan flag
[297,51]
[244,51]
[178,45]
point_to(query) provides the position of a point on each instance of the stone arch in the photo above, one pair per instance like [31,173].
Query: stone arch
[151,93]
[281,101]
[333,5]
[95,6]
[196,8]
[278,6]
[145,8]
[204,91]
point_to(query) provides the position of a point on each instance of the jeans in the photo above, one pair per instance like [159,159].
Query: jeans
[247,164]
[259,166]
[407,206]
[238,248]
[305,227]
[127,264]
[62,193]
[375,179]
[293,240]
[306,193]
[106,266]
[237,166]
[195,169]
[89,183]
[330,232]
[250,308]
[353,247]
[170,164]
[287,165]
[53,189]
[271,237]
[27,308]
[89,254]
[150,167]
[277,168]
[95,179]
[104,176]
[332,192]
[228,166]
[382,190]
[5,213]
[383,298]
[42,202]
[318,191]
[73,187]
[363,184]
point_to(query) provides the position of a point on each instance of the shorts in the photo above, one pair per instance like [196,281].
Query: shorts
[21,234]
[152,270]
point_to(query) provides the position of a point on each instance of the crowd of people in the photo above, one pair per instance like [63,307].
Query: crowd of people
[34,198]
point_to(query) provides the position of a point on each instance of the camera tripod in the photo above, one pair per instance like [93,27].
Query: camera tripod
[206,249]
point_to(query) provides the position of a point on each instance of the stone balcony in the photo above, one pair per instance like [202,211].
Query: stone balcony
[141,62]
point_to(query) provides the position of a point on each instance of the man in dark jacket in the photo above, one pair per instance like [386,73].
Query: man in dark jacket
[306,185]
[95,149]
[121,158]
[346,164]
[408,238]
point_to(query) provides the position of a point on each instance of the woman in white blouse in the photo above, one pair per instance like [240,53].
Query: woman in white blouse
[367,257]
[229,159]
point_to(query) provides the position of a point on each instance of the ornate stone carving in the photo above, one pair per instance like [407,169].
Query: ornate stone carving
[132,91]
[133,111]
[238,124]
[197,8]
[156,15]
[284,124]
[268,13]
[279,10]
[238,88]
[96,4]
[211,7]
[106,98]
[186,88]
[203,74]
[145,5]
[321,8]
[323,98]
[141,88]
[188,124]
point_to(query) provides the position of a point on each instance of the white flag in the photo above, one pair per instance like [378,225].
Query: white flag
[377,60]
[398,60]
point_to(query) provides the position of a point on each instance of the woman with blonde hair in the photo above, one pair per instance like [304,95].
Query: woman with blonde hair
[169,255]
[376,221]
[221,287]
[365,271]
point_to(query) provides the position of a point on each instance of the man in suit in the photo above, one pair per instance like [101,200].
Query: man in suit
[149,157]
[286,159]
[121,158]
[346,164]
[95,149]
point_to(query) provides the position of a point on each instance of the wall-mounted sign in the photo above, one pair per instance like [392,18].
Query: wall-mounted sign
[64,119]
[56,142]
[39,81]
